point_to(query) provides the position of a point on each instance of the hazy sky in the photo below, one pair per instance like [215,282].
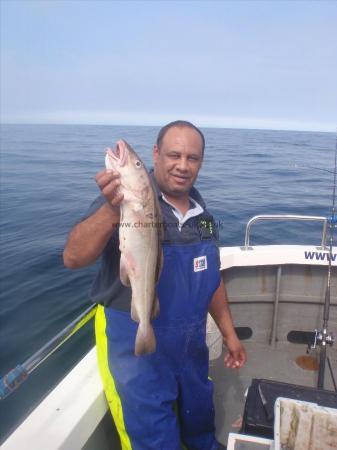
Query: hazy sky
[254,64]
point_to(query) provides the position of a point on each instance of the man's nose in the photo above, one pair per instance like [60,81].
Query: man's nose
[183,164]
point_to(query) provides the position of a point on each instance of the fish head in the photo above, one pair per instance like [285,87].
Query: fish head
[124,159]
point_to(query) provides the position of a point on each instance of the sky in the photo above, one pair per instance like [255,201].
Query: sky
[237,64]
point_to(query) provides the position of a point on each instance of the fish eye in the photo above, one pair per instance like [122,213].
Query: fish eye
[138,164]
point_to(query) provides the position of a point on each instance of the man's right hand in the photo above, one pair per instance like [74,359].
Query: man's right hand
[109,182]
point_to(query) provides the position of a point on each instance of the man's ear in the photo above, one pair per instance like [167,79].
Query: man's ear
[155,153]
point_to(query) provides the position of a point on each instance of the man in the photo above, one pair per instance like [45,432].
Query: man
[162,400]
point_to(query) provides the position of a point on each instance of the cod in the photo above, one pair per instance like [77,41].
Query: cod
[140,232]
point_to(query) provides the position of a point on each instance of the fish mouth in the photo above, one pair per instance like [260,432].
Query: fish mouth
[118,154]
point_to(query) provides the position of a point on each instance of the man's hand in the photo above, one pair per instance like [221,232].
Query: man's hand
[236,356]
[109,182]
[220,312]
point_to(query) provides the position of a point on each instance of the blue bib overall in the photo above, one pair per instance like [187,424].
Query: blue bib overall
[164,400]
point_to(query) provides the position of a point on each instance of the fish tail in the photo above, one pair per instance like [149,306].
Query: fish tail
[145,340]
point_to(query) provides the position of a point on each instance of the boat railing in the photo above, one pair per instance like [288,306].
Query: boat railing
[274,217]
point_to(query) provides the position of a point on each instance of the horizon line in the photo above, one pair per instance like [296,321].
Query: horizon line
[252,128]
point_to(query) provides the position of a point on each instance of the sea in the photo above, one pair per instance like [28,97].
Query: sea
[47,183]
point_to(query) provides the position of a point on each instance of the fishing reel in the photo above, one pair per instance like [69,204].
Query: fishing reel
[332,220]
[321,338]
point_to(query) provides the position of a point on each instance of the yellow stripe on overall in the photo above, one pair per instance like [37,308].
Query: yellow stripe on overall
[107,379]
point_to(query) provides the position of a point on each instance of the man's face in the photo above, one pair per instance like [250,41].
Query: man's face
[177,161]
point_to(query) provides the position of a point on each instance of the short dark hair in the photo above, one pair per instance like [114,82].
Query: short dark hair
[180,124]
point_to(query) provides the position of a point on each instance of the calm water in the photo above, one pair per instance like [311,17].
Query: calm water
[47,183]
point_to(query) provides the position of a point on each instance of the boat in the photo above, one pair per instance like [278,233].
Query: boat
[277,297]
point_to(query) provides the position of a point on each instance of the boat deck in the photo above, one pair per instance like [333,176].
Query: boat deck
[278,364]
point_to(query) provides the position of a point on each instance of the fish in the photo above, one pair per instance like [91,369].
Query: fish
[140,235]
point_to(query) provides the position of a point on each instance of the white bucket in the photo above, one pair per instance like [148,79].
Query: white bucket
[213,339]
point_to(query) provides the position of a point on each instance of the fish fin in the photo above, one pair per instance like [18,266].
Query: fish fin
[160,261]
[158,217]
[134,312]
[123,274]
[155,308]
[145,340]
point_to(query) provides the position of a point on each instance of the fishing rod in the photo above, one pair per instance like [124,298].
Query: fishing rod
[324,338]
[15,377]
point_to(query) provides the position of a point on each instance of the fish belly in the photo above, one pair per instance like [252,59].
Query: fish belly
[139,250]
